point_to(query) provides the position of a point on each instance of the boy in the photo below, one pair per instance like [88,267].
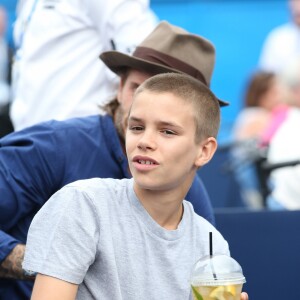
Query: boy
[134,238]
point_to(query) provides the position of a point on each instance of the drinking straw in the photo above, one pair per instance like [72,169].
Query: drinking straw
[211,255]
[210,244]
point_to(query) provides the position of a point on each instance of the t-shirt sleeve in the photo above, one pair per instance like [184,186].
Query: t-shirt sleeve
[63,236]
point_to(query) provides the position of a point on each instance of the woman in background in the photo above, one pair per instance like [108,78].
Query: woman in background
[252,133]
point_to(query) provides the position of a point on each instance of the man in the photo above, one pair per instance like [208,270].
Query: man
[54,72]
[38,161]
[274,55]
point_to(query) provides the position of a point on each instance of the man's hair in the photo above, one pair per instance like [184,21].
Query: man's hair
[205,104]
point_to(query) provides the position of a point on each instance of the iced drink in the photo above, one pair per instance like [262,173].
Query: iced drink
[225,292]
[217,277]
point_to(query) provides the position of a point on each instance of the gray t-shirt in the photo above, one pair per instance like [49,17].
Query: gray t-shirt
[96,233]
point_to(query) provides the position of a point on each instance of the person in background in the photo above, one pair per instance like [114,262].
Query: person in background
[5,96]
[54,71]
[36,162]
[134,238]
[283,43]
[264,95]
[284,147]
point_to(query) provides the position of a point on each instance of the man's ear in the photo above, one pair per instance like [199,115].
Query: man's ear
[207,149]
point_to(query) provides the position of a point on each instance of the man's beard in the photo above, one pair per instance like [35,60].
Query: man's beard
[120,122]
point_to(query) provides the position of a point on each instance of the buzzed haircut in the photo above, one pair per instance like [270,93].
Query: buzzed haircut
[192,91]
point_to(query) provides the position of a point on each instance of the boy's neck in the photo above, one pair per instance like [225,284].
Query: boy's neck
[165,208]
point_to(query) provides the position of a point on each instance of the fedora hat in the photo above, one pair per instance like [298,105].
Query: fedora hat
[168,48]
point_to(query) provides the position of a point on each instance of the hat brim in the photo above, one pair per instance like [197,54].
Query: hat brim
[119,63]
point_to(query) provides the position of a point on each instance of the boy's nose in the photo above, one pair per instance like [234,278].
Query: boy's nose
[147,141]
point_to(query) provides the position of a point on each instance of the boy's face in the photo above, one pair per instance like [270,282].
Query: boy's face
[160,142]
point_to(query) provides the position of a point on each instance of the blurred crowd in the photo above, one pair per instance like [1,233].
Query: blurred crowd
[266,152]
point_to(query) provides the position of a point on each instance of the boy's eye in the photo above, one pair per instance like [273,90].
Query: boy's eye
[136,128]
[168,132]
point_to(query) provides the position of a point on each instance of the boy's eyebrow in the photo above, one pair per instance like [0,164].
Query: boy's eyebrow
[163,123]
[132,118]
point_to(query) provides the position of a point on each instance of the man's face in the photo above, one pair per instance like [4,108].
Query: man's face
[128,85]
[160,142]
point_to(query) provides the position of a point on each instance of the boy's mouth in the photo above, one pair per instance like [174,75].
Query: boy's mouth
[144,160]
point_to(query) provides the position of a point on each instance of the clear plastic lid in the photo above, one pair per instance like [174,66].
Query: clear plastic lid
[217,270]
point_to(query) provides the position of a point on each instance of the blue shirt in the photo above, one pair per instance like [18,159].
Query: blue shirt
[39,160]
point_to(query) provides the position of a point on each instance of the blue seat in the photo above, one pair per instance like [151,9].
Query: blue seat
[220,183]
[267,245]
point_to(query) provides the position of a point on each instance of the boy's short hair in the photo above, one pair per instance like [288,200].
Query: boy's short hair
[205,103]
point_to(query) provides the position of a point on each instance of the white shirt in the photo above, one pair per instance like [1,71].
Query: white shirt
[284,147]
[281,46]
[58,73]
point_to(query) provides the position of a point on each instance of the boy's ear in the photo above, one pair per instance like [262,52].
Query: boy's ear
[207,149]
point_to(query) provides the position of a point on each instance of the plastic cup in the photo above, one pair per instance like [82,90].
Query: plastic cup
[217,277]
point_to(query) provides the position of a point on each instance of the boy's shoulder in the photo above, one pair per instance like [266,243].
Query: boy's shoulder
[99,184]
[201,229]
[101,189]
[198,221]
[99,194]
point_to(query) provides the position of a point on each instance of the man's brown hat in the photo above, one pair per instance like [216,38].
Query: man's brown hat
[168,49]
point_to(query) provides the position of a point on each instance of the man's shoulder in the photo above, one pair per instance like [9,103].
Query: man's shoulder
[57,126]
[283,30]
[72,131]
[88,127]
[76,124]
